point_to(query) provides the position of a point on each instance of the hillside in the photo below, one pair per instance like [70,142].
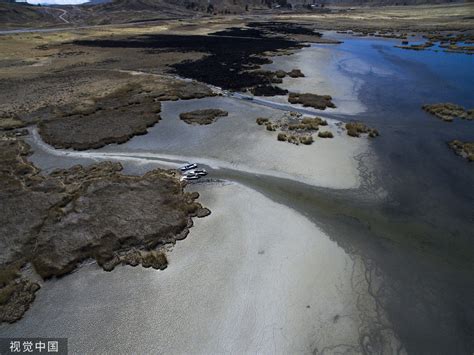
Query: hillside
[130,11]
[14,15]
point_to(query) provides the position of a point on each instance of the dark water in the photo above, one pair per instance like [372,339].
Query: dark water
[418,243]
[428,184]
[421,237]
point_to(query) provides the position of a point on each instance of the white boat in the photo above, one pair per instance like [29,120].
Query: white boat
[200,172]
[191,176]
[188,166]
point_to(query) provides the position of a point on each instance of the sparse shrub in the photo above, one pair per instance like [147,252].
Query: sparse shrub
[293,139]
[280,74]
[270,126]
[354,129]
[261,120]
[282,137]
[325,134]
[306,140]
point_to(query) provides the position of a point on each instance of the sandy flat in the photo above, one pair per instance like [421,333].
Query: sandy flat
[323,67]
[254,276]
[234,142]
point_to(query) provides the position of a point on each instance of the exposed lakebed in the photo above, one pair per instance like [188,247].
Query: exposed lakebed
[399,209]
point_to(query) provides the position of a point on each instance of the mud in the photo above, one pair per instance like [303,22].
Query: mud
[51,223]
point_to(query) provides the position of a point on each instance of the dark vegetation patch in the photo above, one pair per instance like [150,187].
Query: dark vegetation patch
[280,74]
[355,129]
[262,120]
[53,222]
[306,139]
[293,128]
[319,102]
[464,149]
[448,111]
[284,28]
[112,119]
[240,32]
[325,134]
[417,47]
[448,41]
[307,124]
[295,73]
[202,117]
[225,66]
[267,90]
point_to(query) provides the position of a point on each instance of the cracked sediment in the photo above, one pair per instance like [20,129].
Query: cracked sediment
[282,286]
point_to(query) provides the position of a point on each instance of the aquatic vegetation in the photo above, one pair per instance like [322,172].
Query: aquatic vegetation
[449,111]
[325,134]
[261,120]
[417,47]
[464,149]
[320,102]
[267,90]
[306,139]
[295,73]
[284,28]
[280,74]
[270,126]
[202,117]
[314,122]
[295,133]
[355,129]
[294,139]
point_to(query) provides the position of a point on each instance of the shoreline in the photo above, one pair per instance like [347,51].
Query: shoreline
[241,314]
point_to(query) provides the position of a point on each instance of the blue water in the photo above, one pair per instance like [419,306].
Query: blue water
[428,185]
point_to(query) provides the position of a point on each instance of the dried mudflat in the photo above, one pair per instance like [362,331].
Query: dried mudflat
[237,142]
[51,223]
[277,283]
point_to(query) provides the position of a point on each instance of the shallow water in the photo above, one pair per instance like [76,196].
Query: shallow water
[415,239]
[428,213]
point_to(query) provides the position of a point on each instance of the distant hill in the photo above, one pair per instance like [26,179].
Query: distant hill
[125,11]
[233,6]
[24,15]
